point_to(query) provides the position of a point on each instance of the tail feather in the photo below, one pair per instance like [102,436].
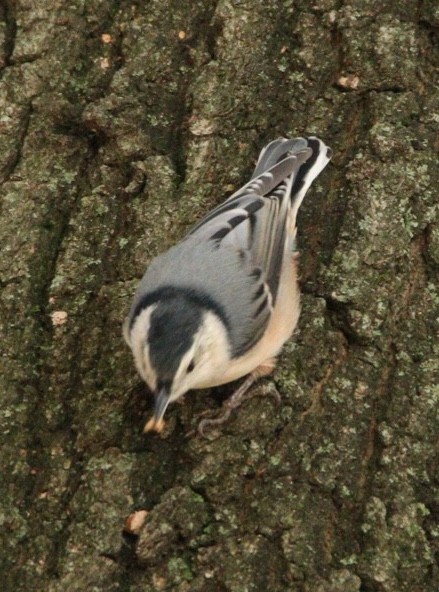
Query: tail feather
[276,151]
[280,149]
[321,155]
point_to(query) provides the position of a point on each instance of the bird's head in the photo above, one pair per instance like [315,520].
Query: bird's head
[178,344]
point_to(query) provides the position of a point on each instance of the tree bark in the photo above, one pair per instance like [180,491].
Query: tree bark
[121,124]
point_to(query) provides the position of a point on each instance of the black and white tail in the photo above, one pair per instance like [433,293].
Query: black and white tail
[283,174]
[311,151]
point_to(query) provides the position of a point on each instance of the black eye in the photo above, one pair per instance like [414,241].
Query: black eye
[191,366]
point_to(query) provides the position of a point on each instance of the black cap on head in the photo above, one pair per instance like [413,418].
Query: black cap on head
[173,325]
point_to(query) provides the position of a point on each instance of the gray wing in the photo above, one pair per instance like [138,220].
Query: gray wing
[256,219]
[235,254]
[260,218]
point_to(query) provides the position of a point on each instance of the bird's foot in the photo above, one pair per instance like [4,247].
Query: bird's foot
[235,400]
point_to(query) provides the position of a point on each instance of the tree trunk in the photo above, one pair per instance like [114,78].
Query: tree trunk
[121,124]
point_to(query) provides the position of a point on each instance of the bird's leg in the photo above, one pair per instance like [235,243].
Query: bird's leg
[238,396]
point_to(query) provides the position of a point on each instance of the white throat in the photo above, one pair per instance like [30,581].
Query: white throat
[213,352]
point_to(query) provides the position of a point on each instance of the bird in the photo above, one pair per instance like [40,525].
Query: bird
[220,304]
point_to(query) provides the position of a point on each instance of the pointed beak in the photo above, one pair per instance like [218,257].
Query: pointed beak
[157,423]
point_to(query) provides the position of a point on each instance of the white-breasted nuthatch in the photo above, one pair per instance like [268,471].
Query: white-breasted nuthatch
[221,303]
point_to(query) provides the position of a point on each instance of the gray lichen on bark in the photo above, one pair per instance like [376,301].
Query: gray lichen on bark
[121,123]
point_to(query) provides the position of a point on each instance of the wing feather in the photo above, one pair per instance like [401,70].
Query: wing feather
[255,218]
[233,257]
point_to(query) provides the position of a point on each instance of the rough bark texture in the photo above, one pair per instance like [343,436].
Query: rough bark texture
[121,123]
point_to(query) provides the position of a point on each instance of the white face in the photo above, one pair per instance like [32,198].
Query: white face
[136,339]
[207,360]
[201,367]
